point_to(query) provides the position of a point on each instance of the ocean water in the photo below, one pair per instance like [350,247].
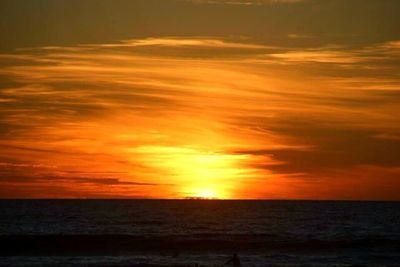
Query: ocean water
[204,232]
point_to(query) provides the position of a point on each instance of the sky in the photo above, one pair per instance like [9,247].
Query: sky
[228,99]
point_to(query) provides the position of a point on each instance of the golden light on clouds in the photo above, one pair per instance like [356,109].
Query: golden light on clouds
[198,117]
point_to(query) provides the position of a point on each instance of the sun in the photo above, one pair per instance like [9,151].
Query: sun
[198,173]
[204,174]
[207,193]
[208,175]
[200,193]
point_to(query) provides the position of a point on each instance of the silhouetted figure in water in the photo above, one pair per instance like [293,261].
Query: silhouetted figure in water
[234,260]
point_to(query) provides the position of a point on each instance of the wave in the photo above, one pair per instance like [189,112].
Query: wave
[17,245]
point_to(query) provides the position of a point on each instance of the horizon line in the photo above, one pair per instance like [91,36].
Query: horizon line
[212,199]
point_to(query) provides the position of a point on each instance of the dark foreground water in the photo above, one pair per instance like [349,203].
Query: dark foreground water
[178,232]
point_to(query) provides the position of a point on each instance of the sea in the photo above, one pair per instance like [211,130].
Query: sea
[199,233]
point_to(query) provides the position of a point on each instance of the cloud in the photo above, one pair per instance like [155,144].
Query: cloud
[24,178]
[318,57]
[180,42]
[245,2]
[183,114]
[333,148]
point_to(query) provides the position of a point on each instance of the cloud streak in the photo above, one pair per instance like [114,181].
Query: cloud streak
[245,2]
[193,116]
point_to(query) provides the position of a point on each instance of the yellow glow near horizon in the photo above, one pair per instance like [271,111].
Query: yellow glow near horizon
[206,193]
[198,173]
[206,174]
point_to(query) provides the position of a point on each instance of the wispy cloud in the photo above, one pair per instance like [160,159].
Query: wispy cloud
[182,42]
[245,2]
[194,115]
[318,57]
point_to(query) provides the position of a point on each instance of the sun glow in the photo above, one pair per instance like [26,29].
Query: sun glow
[200,174]
[205,193]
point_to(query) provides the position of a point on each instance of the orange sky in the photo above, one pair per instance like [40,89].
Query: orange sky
[200,116]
